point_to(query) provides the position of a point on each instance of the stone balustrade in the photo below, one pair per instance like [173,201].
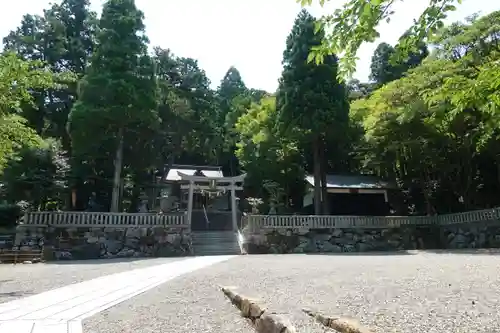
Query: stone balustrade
[104,219]
[94,235]
[257,222]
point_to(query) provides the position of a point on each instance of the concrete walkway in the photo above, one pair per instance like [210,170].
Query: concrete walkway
[62,310]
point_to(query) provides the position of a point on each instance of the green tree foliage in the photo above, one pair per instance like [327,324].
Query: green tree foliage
[233,100]
[176,121]
[17,79]
[38,175]
[384,68]
[436,129]
[116,110]
[310,99]
[430,122]
[63,39]
[188,109]
[356,22]
[10,215]
[382,71]
[268,156]
[14,133]
[357,89]
[230,87]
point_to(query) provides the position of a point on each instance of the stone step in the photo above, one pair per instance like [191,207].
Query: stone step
[215,243]
[219,251]
[216,246]
[216,253]
[213,235]
[206,251]
[218,221]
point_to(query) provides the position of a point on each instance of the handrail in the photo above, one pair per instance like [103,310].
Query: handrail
[206,216]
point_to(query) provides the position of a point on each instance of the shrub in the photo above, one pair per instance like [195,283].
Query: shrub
[9,215]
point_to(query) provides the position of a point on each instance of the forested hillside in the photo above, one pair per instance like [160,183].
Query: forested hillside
[87,108]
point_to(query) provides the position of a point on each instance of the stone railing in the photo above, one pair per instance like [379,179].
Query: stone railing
[104,219]
[314,234]
[256,222]
[469,217]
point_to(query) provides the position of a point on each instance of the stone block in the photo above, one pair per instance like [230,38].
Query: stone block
[345,325]
[341,325]
[230,292]
[274,323]
[250,308]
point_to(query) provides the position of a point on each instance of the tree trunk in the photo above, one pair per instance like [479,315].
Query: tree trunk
[430,210]
[324,186]
[115,197]
[497,162]
[153,197]
[317,175]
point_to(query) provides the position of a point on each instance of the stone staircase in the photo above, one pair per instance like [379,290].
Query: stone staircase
[213,243]
[218,221]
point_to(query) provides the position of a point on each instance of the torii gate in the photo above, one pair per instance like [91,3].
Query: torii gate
[213,184]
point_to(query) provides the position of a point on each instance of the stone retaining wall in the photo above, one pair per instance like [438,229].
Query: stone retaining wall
[114,242]
[7,237]
[68,243]
[472,236]
[459,236]
[328,240]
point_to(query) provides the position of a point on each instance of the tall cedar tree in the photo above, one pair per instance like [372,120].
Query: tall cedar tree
[117,97]
[231,87]
[311,99]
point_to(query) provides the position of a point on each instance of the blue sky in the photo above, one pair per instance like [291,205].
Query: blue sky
[247,34]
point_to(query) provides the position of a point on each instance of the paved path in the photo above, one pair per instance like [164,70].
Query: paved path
[61,310]
[18,281]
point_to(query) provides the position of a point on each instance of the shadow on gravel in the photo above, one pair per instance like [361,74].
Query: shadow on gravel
[97,261]
[487,252]
[364,254]
[16,294]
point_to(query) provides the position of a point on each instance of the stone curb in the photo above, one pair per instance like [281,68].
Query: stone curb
[262,320]
[342,325]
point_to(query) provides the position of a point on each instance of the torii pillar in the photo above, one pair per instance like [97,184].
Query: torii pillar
[234,214]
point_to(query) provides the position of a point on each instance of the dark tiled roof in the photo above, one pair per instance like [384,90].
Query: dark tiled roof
[354,181]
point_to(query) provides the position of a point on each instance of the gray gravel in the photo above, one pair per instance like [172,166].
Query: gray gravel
[189,303]
[420,292]
[18,281]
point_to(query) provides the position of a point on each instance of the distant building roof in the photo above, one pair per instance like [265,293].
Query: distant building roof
[354,181]
[207,171]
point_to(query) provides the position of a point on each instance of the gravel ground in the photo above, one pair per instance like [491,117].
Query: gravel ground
[419,292]
[18,281]
[189,303]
